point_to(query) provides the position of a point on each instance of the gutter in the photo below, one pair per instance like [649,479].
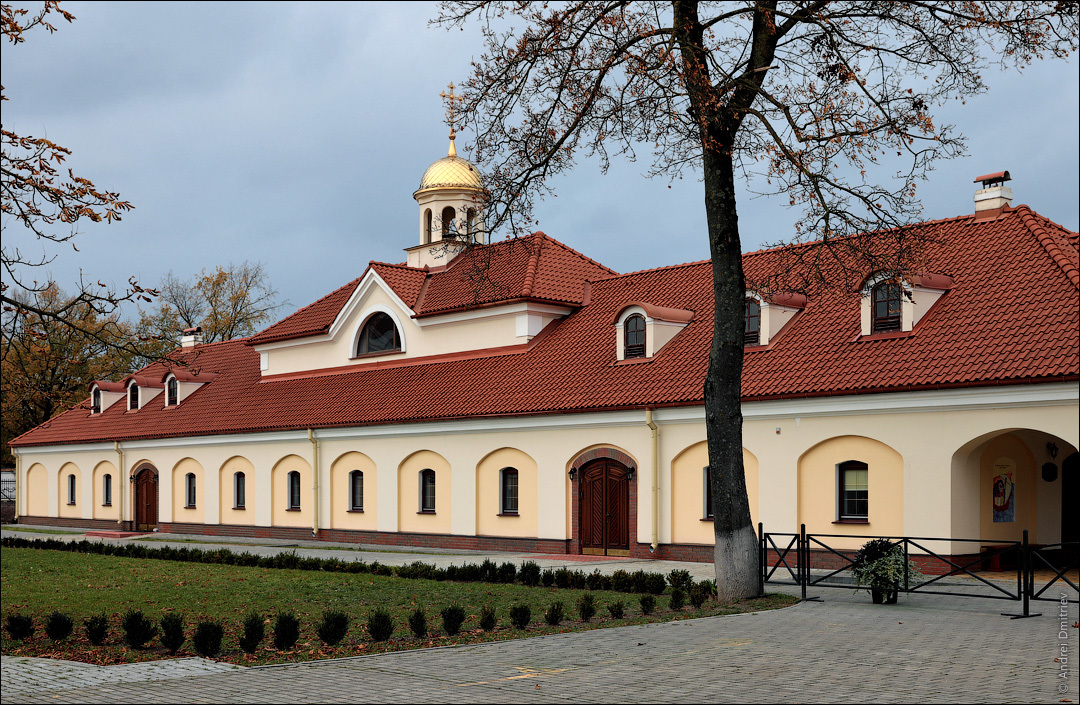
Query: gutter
[122,489]
[18,473]
[315,484]
[655,479]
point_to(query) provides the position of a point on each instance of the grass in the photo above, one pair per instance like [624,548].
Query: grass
[37,582]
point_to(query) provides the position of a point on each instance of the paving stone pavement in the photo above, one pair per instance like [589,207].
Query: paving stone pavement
[843,649]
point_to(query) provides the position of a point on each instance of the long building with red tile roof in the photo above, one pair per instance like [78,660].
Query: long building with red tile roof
[472,396]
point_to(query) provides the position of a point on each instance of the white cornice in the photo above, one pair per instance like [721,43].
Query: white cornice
[491,312]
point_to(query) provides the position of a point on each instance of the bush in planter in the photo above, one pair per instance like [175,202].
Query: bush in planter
[58,626]
[879,566]
[254,631]
[19,626]
[172,632]
[138,630]
[207,639]
[97,629]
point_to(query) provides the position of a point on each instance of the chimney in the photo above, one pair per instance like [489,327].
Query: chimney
[191,337]
[994,194]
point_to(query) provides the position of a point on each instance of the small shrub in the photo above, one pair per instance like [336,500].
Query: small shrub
[562,578]
[58,626]
[639,581]
[678,599]
[648,604]
[452,619]
[507,573]
[709,587]
[286,631]
[489,572]
[655,583]
[380,625]
[333,627]
[19,626]
[97,629]
[529,573]
[138,630]
[254,632]
[548,577]
[621,581]
[554,613]
[616,609]
[488,618]
[679,579]
[586,606]
[172,632]
[698,594]
[595,580]
[207,639]
[520,616]
[418,623]
[577,579]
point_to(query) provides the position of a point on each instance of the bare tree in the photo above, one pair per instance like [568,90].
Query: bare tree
[811,97]
[42,201]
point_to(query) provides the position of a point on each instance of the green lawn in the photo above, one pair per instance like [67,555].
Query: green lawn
[37,582]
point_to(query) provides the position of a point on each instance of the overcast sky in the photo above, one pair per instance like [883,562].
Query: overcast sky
[295,134]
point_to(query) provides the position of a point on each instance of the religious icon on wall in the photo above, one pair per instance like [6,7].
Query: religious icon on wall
[1004,489]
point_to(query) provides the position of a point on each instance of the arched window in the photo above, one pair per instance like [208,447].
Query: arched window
[239,490]
[106,490]
[171,392]
[448,215]
[133,396]
[294,490]
[634,328]
[885,307]
[379,335]
[189,487]
[854,495]
[72,494]
[356,491]
[427,491]
[470,222]
[427,226]
[752,329]
[95,401]
[706,491]
[508,491]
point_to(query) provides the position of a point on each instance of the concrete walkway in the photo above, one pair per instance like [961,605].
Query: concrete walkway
[843,649]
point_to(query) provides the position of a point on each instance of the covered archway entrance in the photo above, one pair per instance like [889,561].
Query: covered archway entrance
[605,508]
[146,498]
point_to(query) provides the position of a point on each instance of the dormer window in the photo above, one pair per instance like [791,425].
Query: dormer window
[95,401]
[133,396]
[379,335]
[634,328]
[886,310]
[172,392]
[752,326]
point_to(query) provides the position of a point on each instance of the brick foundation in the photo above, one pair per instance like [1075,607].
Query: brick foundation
[104,524]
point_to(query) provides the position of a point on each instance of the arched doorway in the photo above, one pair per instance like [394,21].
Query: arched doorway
[146,499]
[605,508]
[1070,485]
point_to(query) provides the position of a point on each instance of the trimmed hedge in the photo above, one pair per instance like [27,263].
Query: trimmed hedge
[488,572]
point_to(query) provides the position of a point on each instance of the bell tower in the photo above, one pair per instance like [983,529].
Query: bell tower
[451,199]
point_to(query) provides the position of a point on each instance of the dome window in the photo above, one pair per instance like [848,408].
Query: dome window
[379,335]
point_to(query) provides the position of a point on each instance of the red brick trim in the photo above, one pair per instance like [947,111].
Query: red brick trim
[595,453]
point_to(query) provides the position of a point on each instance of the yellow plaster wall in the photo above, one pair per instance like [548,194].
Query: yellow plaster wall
[688,498]
[73,511]
[818,490]
[180,512]
[227,510]
[37,494]
[341,516]
[488,521]
[1003,449]
[112,511]
[279,495]
[409,516]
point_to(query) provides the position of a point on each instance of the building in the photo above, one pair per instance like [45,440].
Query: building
[519,395]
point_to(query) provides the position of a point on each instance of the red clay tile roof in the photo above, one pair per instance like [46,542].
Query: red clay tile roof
[312,319]
[1011,317]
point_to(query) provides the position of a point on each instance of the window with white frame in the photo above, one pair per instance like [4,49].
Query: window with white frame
[106,490]
[853,487]
[189,490]
[427,491]
[508,491]
[356,491]
[239,490]
[72,487]
[294,490]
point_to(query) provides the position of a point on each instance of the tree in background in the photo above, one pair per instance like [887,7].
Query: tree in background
[228,302]
[813,98]
[47,365]
[39,198]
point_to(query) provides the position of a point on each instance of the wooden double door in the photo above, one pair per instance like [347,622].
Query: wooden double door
[146,500]
[605,508]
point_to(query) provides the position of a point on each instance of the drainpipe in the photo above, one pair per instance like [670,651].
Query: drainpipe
[655,479]
[121,488]
[18,484]
[315,486]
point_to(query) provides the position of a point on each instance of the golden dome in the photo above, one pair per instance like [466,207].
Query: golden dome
[451,172]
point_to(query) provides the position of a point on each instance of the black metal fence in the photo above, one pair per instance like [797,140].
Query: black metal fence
[812,560]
